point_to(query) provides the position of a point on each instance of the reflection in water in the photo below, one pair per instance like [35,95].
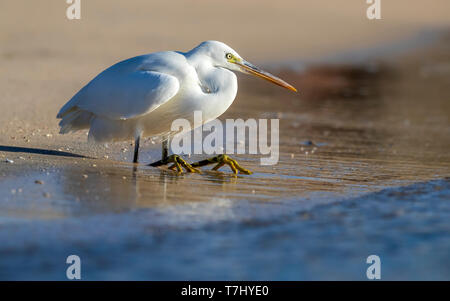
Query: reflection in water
[341,81]
[121,188]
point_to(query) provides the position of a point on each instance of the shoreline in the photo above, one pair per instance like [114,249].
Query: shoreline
[387,51]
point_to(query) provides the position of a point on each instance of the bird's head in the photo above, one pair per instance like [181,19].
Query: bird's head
[224,56]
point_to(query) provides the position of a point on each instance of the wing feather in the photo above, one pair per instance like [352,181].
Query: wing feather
[124,95]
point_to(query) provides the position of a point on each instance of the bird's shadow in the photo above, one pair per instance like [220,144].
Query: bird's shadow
[39,151]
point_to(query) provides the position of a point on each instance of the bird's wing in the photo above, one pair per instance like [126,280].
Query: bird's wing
[126,95]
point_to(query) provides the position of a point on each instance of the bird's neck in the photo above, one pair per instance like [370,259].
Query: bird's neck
[219,85]
[214,80]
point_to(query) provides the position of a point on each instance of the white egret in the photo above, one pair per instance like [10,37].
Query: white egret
[141,96]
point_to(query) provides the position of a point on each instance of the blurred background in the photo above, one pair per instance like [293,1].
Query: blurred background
[262,30]
[40,46]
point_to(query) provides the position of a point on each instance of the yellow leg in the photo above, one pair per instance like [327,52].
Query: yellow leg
[222,160]
[178,164]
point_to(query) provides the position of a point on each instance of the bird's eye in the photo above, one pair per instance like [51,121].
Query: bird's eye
[229,56]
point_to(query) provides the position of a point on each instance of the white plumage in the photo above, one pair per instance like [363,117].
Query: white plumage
[145,94]
[141,96]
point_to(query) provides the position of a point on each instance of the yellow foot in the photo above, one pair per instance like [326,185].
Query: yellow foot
[178,164]
[222,160]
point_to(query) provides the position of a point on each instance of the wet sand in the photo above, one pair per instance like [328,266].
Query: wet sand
[364,168]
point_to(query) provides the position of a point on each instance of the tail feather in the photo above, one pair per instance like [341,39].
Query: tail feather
[74,120]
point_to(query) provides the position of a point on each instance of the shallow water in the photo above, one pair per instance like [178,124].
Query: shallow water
[225,239]
[363,166]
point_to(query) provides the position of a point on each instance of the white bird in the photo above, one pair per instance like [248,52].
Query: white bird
[141,96]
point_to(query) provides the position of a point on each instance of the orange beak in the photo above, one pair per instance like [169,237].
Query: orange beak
[249,68]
